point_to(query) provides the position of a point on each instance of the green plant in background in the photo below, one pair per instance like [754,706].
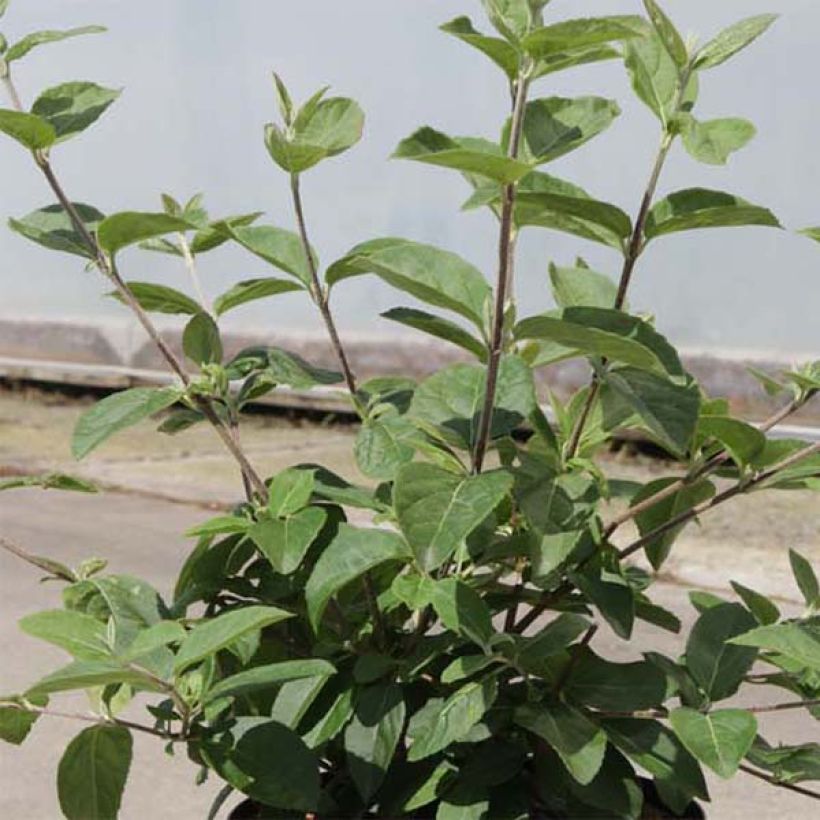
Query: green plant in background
[439,662]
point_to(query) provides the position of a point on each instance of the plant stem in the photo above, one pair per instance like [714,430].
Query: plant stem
[706,469]
[780,707]
[633,252]
[775,782]
[737,489]
[318,292]
[99,721]
[504,281]
[108,269]
[190,265]
[44,565]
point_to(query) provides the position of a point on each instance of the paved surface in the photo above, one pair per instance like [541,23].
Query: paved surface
[136,528]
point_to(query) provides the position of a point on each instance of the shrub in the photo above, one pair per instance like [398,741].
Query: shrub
[439,662]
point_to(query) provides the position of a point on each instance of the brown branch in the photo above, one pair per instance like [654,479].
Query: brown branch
[780,707]
[319,293]
[504,282]
[775,782]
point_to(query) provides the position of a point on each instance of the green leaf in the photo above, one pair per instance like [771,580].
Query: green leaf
[129,227]
[657,550]
[714,660]
[582,287]
[714,141]
[669,35]
[349,556]
[461,609]
[161,299]
[574,58]
[117,412]
[607,333]
[572,35]
[731,40]
[251,290]
[153,638]
[280,248]
[437,277]
[52,228]
[806,578]
[285,541]
[39,38]
[209,637]
[72,107]
[432,730]
[555,637]
[49,481]
[668,411]
[719,739]
[201,340]
[4,4]
[221,525]
[759,605]
[654,75]
[80,635]
[290,491]
[385,443]
[578,741]
[511,18]
[653,747]
[617,687]
[92,773]
[697,208]
[557,125]
[742,441]
[612,595]
[453,398]
[281,366]
[265,677]
[437,509]
[218,233]
[465,667]
[322,129]
[17,721]
[438,327]
[788,764]
[88,674]
[373,734]
[436,148]
[499,51]
[795,641]
[30,131]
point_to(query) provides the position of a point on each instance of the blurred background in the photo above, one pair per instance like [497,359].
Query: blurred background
[197,91]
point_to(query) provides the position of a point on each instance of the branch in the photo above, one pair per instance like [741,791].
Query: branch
[780,707]
[737,489]
[713,464]
[35,561]
[109,270]
[505,247]
[775,782]
[190,266]
[319,293]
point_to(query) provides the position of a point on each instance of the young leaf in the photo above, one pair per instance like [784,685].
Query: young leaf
[201,340]
[30,131]
[209,637]
[72,107]
[438,327]
[79,634]
[129,227]
[573,35]
[283,99]
[49,481]
[716,664]
[117,412]
[556,126]
[582,287]
[461,609]
[285,541]
[696,208]
[512,19]
[452,400]
[669,35]
[731,40]
[92,773]
[719,739]
[264,677]
[39,38]
[435,276]
[349,556]
[52,228]
[385,443]
[759,605]
[654,75]
[161,299]
[504,55]
[433,730]
[373,734]
[437,509]
[251,290]
[435,148]
[806,578]
[578,741]
[795,641]
[714,141]
[290,491]
[16,723]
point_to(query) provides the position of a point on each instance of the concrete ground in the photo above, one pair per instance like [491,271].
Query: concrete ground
[159,486]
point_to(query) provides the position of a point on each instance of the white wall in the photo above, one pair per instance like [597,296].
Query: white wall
[197,93]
